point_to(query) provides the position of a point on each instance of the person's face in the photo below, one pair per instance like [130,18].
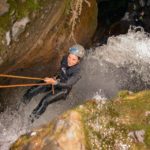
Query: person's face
[72,60]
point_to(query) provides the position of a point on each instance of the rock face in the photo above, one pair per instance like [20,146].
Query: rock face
[121,124]
[48,35]
[4,7]
[19,27]
[65,134]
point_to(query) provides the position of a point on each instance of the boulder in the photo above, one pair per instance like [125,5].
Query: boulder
[120,124]
[49,35]
[66,133]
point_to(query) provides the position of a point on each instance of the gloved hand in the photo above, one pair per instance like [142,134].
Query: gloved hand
[50,81]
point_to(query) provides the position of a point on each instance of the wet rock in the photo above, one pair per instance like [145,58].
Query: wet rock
[4,7]
[142,3]
[23,1]
[70,132]
[66,134]
[1,60]
[27,34]
[93,126]
[56,14]
[147,113]
[19,27]
[8,38]
[3,42]
[148,2]
[138,136]
[126,16]
[33,15]
[33,133]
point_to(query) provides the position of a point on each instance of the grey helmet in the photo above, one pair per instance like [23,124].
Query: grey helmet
[77,50]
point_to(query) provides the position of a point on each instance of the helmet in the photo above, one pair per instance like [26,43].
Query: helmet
[77,50]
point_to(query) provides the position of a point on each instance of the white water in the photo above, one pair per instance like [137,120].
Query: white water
[12,124]
[124,63]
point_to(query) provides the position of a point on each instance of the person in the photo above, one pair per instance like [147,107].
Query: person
[68,75]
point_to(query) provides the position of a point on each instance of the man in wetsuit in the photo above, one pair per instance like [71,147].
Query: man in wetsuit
[69,74]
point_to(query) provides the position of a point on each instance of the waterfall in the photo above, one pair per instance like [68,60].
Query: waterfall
[122,64]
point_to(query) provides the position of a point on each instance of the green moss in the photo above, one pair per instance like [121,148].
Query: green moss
[107,129]
[84,113]
[134,107]
[17,11]
[112,111]
[130,108]
[23,9]
[147,136]
[123,94]
[68,7]
[22,141]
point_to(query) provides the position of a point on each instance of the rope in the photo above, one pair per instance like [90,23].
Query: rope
[24,85]
[20,77]
[53,90]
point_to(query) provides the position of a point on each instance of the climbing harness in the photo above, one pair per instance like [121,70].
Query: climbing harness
[24,85]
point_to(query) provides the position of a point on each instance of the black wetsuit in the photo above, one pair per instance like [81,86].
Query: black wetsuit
[67,77]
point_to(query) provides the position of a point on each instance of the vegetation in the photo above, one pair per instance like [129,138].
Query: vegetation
[17,11]
[107,125]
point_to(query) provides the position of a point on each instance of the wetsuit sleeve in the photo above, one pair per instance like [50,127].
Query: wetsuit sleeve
[57,74]
[70,82]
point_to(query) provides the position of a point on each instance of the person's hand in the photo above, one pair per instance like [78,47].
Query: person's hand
[50,80]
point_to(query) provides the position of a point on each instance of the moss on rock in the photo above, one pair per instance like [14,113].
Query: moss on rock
[97,125]
[108,125]
[18,10]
